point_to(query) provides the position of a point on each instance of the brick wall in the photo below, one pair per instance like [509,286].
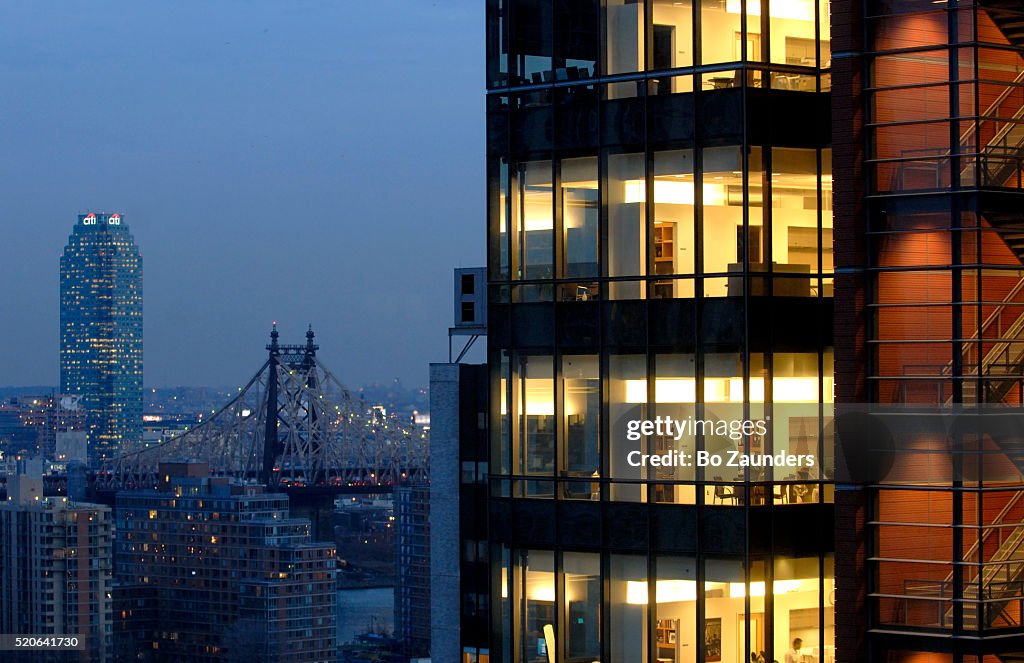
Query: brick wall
[850,329]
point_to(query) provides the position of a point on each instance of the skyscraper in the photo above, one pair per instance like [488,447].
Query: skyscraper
[101,329]
[661,243]
[659,246]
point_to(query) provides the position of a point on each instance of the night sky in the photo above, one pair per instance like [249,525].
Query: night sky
[305,162]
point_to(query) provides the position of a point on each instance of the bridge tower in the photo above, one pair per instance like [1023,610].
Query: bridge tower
[290,358]
[294,427]
[271,442]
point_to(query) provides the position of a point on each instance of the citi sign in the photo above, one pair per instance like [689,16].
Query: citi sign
[112,220]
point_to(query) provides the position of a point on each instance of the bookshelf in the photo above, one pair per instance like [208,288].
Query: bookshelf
[664,256]
[667,636]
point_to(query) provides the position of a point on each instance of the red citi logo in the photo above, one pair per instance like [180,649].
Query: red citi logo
[114,220]
[89,220]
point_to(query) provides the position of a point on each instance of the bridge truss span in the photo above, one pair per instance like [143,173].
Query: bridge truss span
[293,425]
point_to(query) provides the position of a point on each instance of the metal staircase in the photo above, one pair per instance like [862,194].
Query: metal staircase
[999,162]
[1008,15]
[999,159]
[1003,329]
[1003,155]
[1000,575]
[995,585]
[1000,584]
[1001,366]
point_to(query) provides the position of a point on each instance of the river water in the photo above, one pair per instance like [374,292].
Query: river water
[359,609]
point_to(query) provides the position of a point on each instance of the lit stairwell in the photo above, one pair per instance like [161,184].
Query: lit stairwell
[1001,160]
[1001,156]
[1002,363]
[1008,15]
[1002,332]
[1000,585]
[1001,578]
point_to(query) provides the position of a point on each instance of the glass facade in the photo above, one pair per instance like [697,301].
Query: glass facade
[934,266]
[659,248]
[939,73]
[101,330]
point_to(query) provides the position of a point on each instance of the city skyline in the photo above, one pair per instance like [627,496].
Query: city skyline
[275,198]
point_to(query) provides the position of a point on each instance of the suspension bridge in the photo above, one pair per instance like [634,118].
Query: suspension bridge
[293,427]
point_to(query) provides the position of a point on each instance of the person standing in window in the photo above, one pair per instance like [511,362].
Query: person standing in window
[793,655]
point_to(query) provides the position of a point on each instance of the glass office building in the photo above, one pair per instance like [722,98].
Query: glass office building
[101,330]
[660,236]
[928,102]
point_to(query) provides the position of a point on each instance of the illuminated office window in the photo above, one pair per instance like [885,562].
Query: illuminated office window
[627,236]
[580,232]
[581,428]
[627,401]
[673,230]
[581,605]
[628,589]
[624,36]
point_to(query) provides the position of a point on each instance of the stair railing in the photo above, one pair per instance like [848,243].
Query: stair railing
[998,142]
[1014,331]
[1002,346]
[925,163]
[971,130]
[1008,546]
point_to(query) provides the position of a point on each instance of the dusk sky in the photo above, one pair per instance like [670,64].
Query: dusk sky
[305,162]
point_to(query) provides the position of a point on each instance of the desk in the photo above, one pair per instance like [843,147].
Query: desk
[800,82]
[722,82]
[787,285]
[802,493]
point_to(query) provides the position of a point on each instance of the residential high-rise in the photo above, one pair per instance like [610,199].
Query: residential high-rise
[659,248]
[55,570]
[412,569]
[101,330]
[235,578]
[50,416]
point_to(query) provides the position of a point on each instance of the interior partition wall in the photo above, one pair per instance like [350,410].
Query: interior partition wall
[660,232]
